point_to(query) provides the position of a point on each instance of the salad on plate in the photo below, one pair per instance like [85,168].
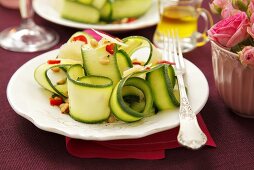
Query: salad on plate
[109,79]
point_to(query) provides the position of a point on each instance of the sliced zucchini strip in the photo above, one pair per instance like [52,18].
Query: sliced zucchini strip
[99,62]
[134,98]
[123,61]
[129,8]
[79,12]
[88,95]
[141,49]
[72,49]
[106,11]
[162,83]
[119,106]
[44,76]
[88,36]
[98,3]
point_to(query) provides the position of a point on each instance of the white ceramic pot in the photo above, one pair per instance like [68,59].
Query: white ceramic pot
[234,81]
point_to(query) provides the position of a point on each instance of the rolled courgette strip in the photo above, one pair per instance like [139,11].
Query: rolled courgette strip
[107,11]
[162,83]
[118,106]
[41,75]
[88,95]
[81,33]
[99,62]
[129,8]
[123,61]
[72,48]
[135,43]
[134,98]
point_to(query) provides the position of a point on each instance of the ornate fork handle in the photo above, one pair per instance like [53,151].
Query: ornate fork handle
[190,134]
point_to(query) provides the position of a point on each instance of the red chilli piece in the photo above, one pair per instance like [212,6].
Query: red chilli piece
[56,101]
[54,61]
[131,20]
[110,48]
[80,38]
[136,63]
[165,62]
[148,68]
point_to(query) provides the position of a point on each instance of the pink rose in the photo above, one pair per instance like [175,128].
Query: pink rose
[230,31]
[247,56]
[229,10]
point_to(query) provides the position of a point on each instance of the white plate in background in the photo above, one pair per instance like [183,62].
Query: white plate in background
[49,10]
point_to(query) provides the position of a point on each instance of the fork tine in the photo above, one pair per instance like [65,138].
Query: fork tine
[170,55]
[164,48]
[172,48]
[180,54]
[175,55]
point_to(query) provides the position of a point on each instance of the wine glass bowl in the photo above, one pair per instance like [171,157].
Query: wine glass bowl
[28,37]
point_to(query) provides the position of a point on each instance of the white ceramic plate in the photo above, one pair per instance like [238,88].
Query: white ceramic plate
[31,101]
[48,9]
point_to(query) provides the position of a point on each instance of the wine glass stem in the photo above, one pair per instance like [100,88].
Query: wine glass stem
[27,13]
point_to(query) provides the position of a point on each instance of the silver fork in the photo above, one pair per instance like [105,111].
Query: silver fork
[190,134]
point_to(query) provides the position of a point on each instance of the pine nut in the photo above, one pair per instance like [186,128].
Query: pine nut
[124,20]
[62,81]
[55,69]
[64,108]
[118,39]
[93,43]
[111,119]
[66,100]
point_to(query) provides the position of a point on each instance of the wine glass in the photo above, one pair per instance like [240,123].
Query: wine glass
[28,37]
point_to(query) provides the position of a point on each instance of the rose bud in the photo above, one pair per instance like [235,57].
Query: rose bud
[229,11]
[247,56]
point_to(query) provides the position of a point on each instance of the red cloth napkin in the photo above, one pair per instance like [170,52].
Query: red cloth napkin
[149,147]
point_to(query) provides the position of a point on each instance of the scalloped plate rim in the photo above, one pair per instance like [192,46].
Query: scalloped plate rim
[50,119]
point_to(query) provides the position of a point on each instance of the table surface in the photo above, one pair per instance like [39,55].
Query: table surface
[25,146]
